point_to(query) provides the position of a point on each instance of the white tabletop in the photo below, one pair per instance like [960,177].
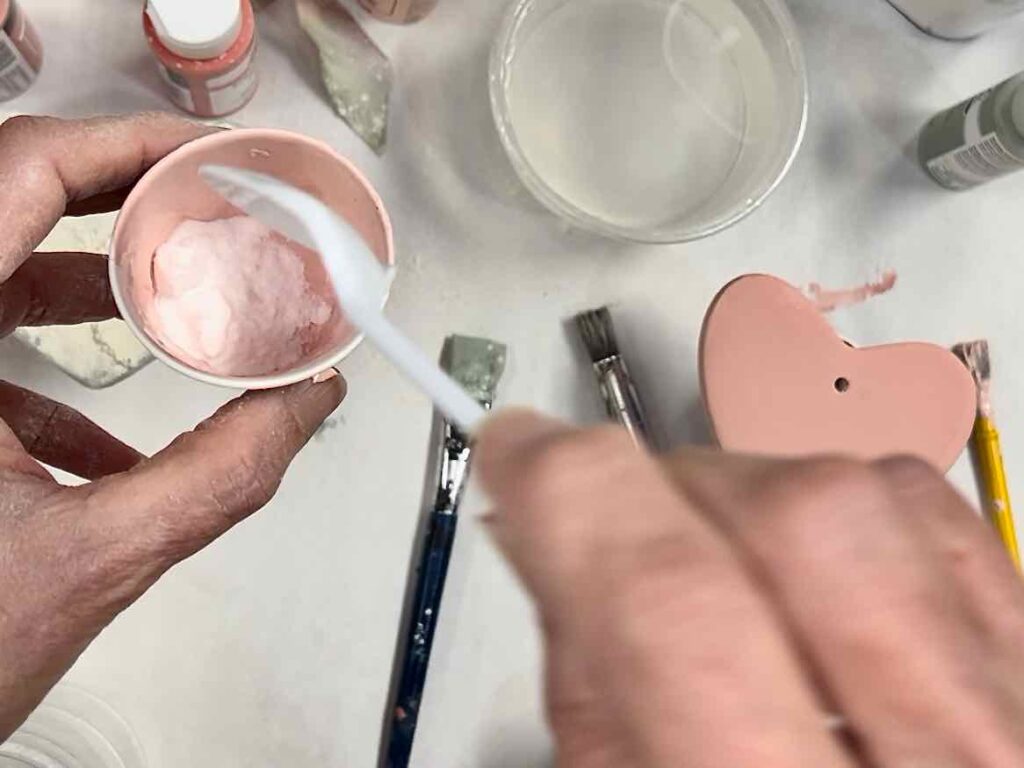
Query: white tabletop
[274,646]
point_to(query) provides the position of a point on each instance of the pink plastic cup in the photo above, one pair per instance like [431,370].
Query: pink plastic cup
[172,191]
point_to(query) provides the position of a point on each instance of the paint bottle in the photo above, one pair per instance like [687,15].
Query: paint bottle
[21,52]
[204,51]
[399,11]
[977,140]
[957,19]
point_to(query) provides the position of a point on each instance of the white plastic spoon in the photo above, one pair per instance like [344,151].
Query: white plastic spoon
[359,279]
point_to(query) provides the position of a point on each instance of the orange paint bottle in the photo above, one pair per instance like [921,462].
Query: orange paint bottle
[205,51]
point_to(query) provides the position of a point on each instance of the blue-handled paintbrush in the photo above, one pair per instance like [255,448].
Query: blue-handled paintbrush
[477,365]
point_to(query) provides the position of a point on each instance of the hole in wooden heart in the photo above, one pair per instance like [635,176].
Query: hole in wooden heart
[841,384]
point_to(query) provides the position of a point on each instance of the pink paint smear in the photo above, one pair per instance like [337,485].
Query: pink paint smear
[828,300]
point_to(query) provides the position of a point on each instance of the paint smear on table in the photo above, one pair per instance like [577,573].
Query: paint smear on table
[830,299]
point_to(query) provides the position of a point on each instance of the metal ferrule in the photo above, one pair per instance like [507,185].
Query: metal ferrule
[621,398]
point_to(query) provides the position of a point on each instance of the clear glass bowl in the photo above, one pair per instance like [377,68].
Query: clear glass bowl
[649,120]
[72,729]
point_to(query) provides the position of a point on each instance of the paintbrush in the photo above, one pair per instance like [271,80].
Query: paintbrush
[477,365]
[985,438]
[620,396]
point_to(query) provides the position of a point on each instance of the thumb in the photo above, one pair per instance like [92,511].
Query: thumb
[211,478]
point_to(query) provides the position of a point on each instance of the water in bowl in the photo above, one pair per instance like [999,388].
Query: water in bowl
[639,112]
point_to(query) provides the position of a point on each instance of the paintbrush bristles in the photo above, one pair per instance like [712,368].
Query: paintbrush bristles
[598,334]
[476,364]
[974,354]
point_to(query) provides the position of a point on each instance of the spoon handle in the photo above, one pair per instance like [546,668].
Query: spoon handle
[451,399]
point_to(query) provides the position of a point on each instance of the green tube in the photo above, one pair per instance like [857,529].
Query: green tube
[977,140]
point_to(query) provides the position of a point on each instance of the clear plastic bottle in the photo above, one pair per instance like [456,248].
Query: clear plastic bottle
[71,728]
[976,140]
[399,11]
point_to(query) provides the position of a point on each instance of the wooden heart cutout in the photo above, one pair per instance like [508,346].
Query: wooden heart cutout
[778,380]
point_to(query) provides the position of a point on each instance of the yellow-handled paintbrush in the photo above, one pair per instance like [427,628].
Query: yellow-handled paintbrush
[974,355]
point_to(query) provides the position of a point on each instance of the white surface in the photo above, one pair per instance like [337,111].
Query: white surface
[274,647]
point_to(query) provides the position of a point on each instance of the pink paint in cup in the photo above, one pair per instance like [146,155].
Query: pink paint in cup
[172,192]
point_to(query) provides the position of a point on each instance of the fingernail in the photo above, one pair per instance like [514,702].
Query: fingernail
[330,373]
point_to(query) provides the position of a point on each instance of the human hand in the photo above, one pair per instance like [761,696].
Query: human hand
[706,610]
[72,558]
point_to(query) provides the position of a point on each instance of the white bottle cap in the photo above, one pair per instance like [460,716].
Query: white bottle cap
[196,29]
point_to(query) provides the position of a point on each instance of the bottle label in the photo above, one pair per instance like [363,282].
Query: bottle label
[214,96]
[17,44]
[177,88]
[232,90]
[982,156]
